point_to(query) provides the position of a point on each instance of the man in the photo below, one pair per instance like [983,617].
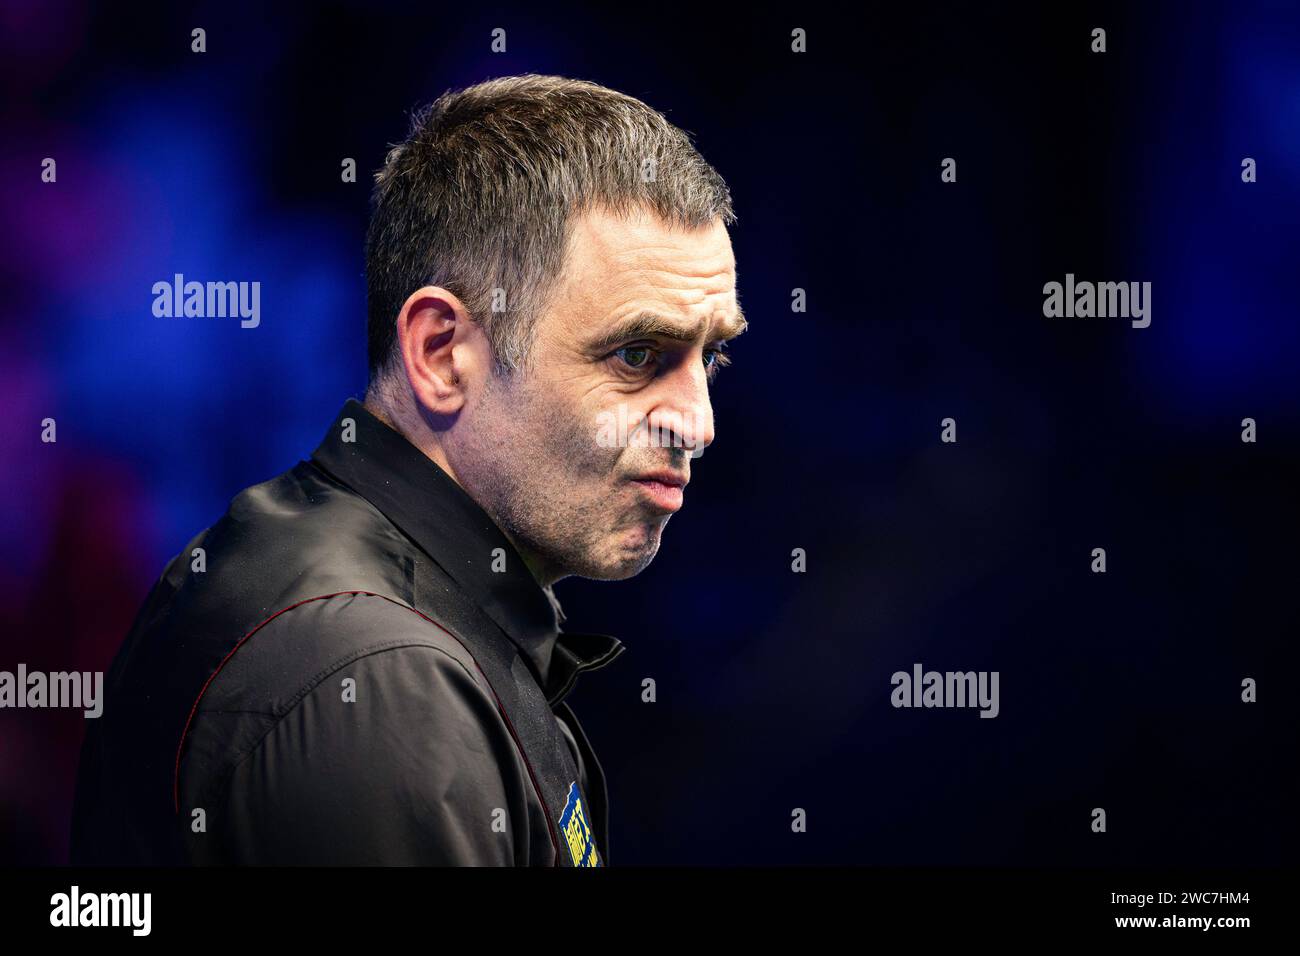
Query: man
[362,661]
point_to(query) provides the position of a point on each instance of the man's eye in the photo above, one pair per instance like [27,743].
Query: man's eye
[714,359]
[635,356]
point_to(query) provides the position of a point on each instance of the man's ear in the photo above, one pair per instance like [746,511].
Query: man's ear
[435,333]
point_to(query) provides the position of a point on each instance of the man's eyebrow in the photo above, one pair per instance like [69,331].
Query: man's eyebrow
[648,325]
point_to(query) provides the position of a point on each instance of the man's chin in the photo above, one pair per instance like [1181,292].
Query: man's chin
[625,561]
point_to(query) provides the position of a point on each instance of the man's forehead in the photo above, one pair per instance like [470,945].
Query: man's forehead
[640,271]
[607,244]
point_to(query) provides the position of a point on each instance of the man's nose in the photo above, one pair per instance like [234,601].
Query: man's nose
[684,417]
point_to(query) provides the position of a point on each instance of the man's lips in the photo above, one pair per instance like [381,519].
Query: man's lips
[664,476]
[663,488]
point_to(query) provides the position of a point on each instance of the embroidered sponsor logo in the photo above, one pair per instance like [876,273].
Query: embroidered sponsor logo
[577,830]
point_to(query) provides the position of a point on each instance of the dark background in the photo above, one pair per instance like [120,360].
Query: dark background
[1119,690]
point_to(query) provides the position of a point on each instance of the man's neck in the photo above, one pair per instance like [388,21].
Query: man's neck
[418,434]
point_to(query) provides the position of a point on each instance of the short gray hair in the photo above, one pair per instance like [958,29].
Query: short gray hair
[481,194]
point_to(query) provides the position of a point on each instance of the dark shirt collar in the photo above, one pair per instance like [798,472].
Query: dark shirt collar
[437,514]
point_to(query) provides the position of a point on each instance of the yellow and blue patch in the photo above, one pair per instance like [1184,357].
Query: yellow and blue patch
[576,830]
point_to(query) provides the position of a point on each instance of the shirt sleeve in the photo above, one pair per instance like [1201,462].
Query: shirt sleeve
[397,758]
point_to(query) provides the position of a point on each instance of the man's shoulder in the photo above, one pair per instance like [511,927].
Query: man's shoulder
[302,582]
[306,574]
[335,666]
[311,639]
[301,530]
[285,555]
[343,735]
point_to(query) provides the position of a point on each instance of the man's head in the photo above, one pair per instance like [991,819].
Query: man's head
[550,284]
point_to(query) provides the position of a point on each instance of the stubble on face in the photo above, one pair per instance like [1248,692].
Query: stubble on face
[561,497]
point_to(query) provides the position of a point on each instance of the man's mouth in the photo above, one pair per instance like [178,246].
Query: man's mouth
[662,488]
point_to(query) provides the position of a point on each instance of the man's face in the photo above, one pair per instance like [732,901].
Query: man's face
[632,336]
